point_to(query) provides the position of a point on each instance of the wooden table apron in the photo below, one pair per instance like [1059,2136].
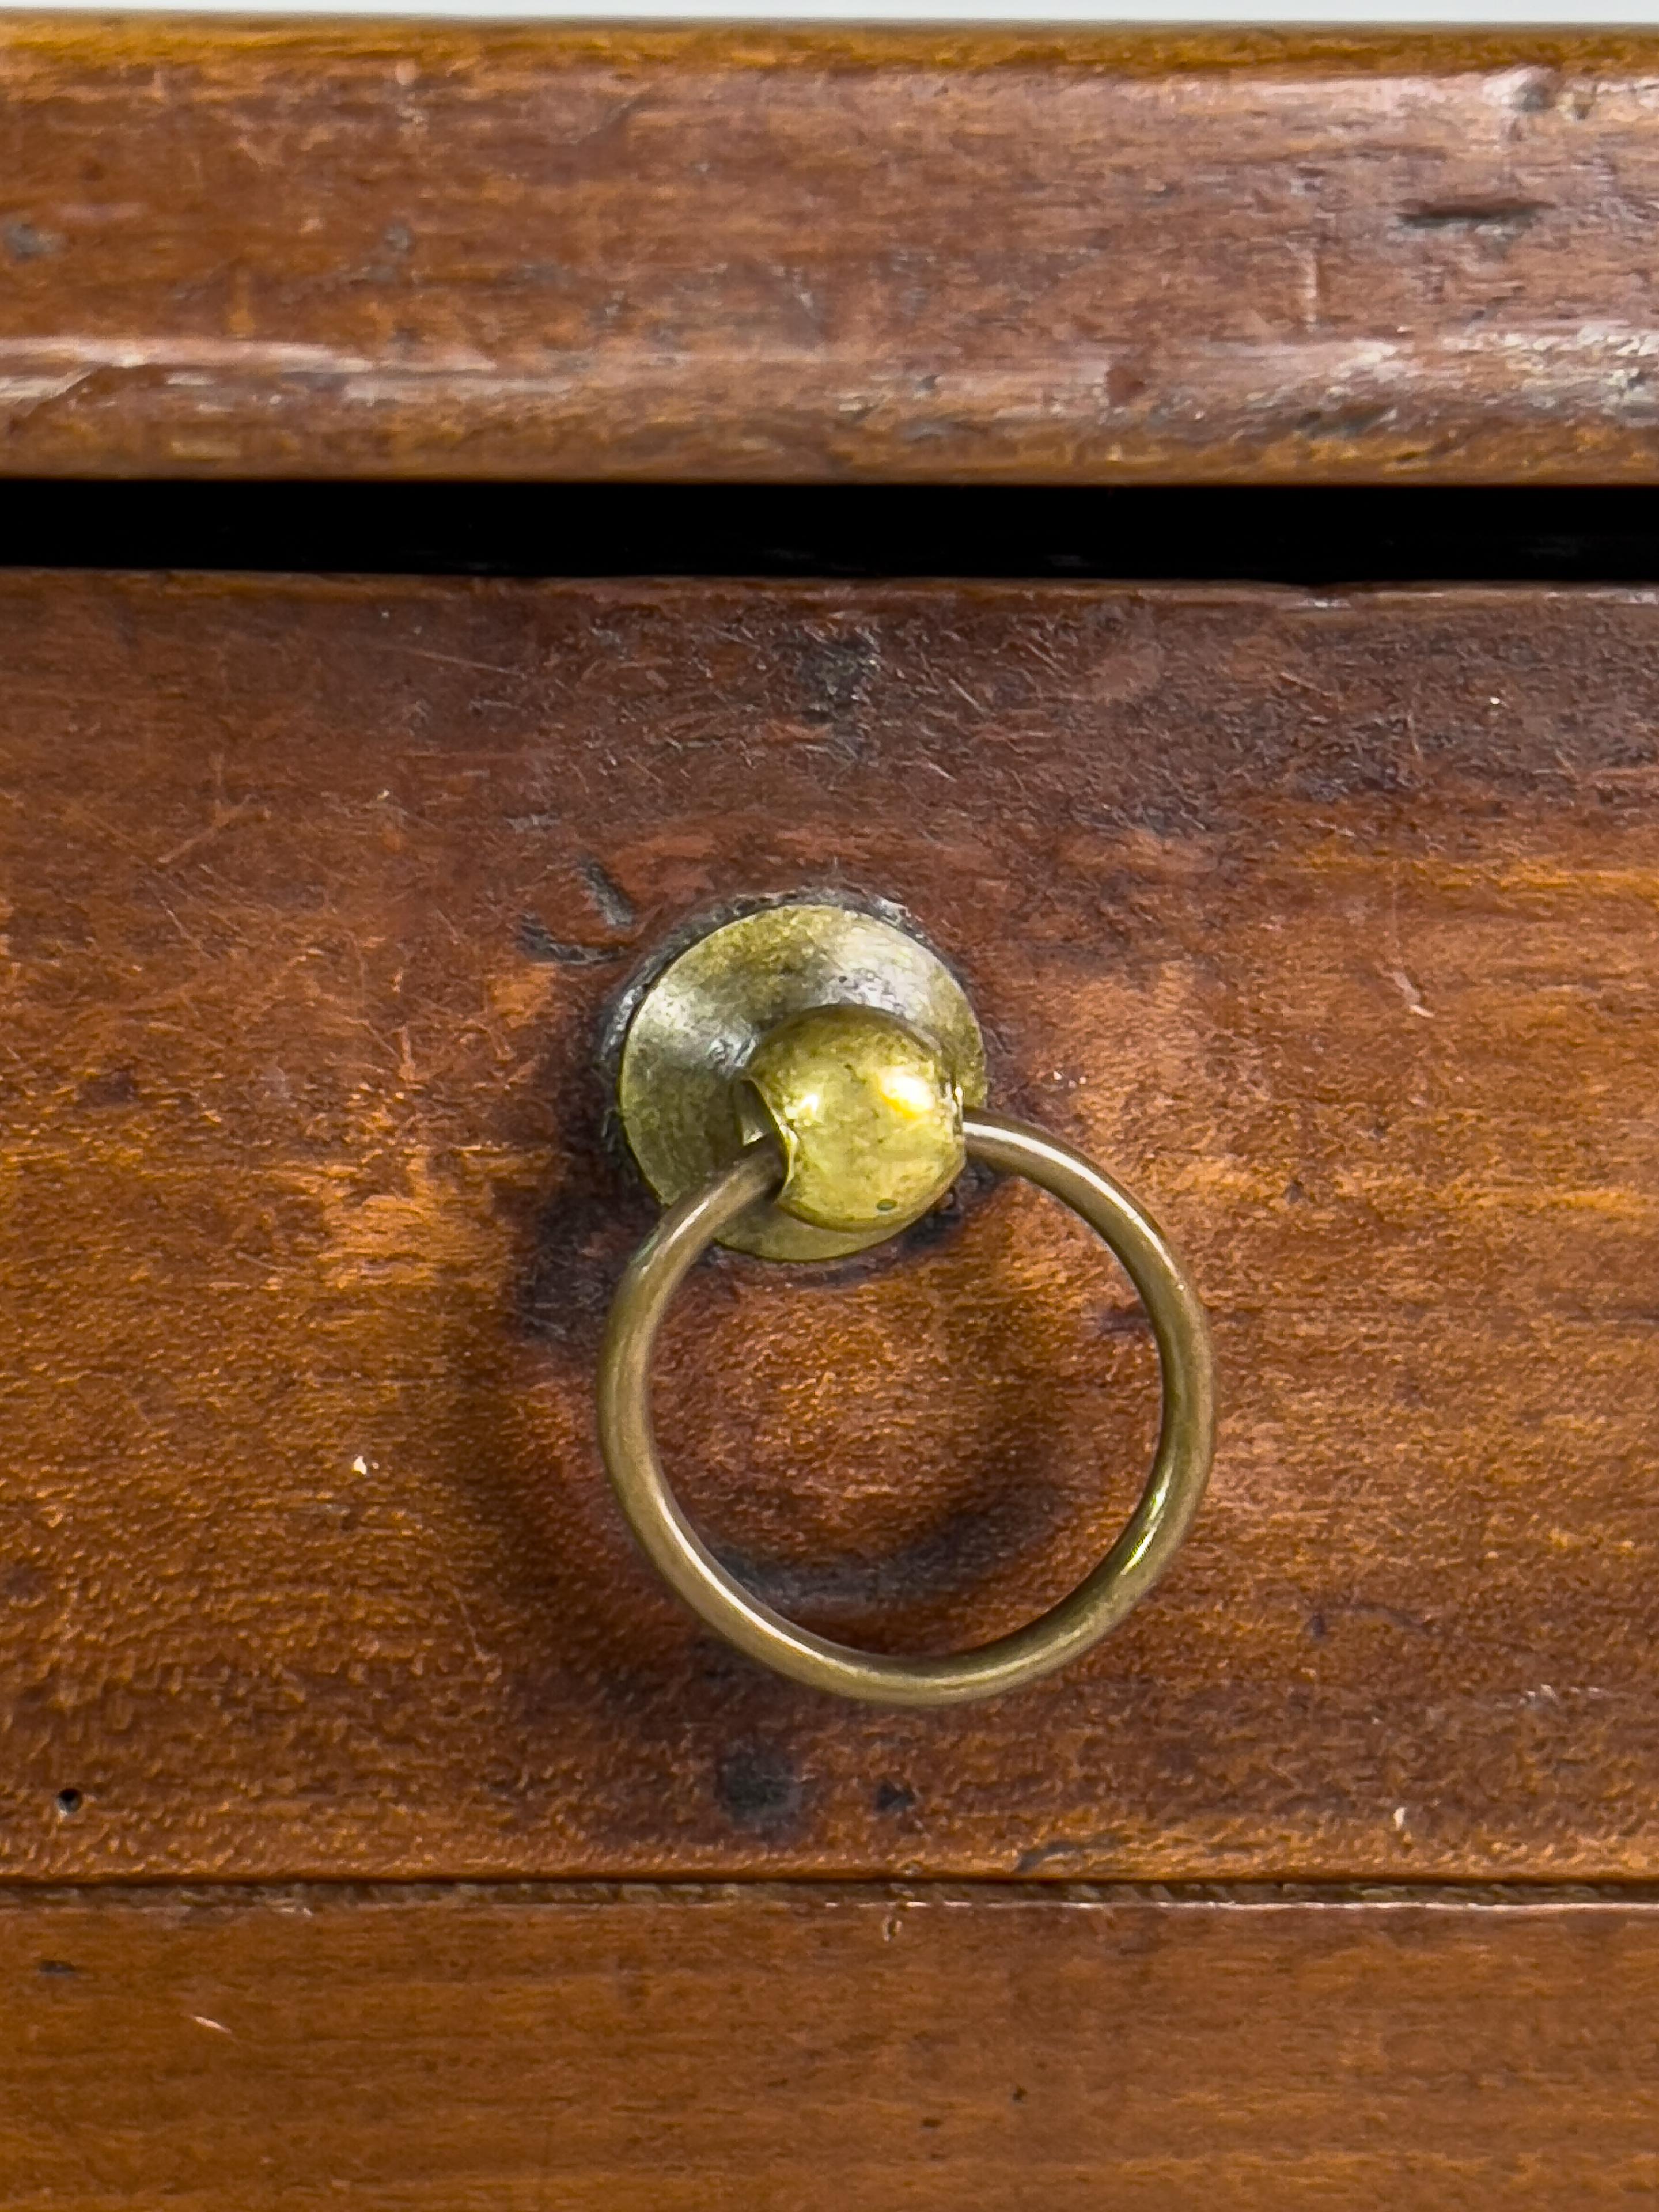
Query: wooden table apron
[806,2047]
[1329,923]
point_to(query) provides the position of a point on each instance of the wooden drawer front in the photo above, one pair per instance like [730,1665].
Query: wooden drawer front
[1329,924]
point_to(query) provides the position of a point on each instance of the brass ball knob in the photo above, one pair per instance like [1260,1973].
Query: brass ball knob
[868,1113]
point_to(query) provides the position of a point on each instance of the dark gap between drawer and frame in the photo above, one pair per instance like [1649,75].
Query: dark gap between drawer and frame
[1293,535]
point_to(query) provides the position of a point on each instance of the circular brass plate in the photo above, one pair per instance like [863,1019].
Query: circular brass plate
[697,1024]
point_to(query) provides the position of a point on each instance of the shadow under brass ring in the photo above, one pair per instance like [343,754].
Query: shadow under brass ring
[1174,1487]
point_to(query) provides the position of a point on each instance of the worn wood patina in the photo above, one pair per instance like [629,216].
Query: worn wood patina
[942,255]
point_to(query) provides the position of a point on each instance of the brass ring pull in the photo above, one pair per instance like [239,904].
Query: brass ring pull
[1134,1562]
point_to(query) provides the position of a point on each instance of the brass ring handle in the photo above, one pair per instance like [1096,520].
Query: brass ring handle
[1174,1488]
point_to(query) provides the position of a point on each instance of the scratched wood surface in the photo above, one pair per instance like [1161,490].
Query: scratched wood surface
[394,250]
[829,2050]
[1329,923]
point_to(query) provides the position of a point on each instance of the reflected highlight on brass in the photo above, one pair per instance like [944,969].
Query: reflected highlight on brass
[868,1114]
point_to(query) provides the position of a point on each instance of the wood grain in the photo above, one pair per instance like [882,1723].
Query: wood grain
[441,250]
[829,2050]
[1329,923]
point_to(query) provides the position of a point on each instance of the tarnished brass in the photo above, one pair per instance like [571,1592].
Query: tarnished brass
[868,1114]
[1174,1488]
[697,1026]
